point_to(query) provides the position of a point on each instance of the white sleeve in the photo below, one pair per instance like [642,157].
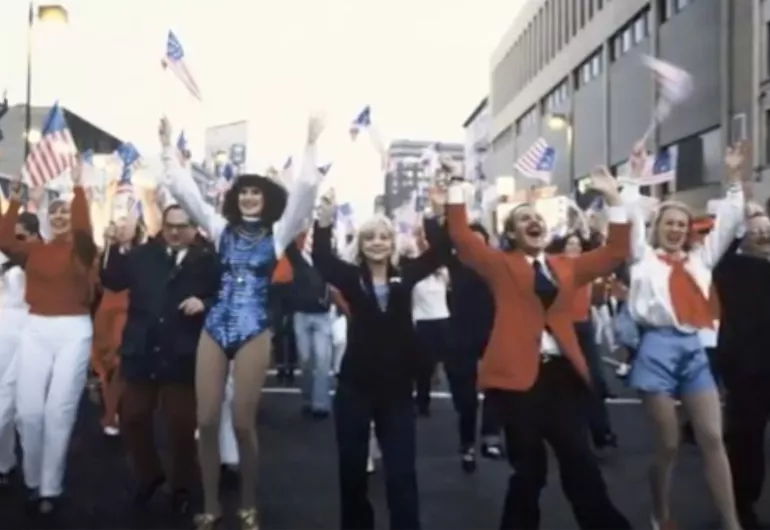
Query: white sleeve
[300,203]
[632,200]
[180,183]
[727,225]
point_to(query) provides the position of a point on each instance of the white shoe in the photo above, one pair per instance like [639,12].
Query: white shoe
[370,467]
[111,431]
[197,434]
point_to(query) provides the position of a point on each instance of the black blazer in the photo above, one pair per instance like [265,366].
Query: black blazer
[743,344]
[379,358]
[159,341]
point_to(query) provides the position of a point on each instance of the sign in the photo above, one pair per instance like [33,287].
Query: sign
[238,154]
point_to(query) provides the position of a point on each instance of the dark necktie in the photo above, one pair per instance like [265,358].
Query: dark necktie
[544,287]
[174,257]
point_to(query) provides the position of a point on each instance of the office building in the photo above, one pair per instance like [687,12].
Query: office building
[408,173]
[476,128]
[571,71]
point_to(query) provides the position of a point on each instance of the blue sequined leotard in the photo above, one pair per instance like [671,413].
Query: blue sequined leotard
[247,258]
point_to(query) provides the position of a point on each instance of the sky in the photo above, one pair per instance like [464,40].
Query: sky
[422,65]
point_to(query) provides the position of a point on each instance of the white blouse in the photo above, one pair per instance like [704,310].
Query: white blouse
[429,298]
[299,207]
[649,298]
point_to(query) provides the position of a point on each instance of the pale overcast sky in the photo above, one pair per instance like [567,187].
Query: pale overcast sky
[421,64]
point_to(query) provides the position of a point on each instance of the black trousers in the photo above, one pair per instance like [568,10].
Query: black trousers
[432,343]
[598,416]
[284,343]
[747,409]
[394,424]
[553,411]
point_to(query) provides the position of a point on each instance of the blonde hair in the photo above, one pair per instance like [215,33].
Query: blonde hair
[353,254]
[663,208]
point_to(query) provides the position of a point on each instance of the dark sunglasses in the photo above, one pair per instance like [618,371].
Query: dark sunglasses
[176,226]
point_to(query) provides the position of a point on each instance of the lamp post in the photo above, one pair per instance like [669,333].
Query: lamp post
[562,122]
[44,13]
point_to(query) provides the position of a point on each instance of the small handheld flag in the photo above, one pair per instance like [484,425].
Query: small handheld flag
[538,161]
[174,60]
[54,154]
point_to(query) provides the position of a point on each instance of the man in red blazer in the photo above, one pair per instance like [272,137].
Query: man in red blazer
[533,369]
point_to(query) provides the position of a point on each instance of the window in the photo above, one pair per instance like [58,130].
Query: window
[664,8]
[590,69]
[738,128]
[681,4]
[529,118]
[628,40]
[641,28]
[767,50]
[556,97]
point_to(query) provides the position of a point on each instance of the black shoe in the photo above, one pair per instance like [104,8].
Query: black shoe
[423,411]
[31,500]
[146,492]
[749,520]
[228,477]
[492,451]
[468,460]
[319,414]
[6,480]
[48,506]
[281,375]
[181,502]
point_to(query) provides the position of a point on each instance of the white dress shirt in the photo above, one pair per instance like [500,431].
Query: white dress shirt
[429,298]
[649,297]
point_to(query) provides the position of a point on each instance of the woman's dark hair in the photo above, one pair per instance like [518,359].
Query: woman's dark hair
[31,224]
[272,207]
[558,245]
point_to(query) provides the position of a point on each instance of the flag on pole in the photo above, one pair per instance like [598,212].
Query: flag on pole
[174,60]
[54,154]
[183,148]
[674,85]
[538,161]
[362,121]
[125,197]
[657,170]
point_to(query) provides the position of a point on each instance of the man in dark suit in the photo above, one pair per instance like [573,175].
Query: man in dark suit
[171,281]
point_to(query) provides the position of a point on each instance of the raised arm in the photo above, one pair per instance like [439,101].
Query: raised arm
[471,250]
[341,274]
[9,245]
[185,191]
[39,197]
[731,213]
[602,261]
[302,194]
[438,254]
[632,201]
[79,211]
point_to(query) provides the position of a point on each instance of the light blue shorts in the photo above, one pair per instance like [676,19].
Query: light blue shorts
[670,362]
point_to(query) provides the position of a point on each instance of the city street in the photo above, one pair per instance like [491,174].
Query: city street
[298,478]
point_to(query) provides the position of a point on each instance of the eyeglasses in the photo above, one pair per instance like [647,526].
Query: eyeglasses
[176,226]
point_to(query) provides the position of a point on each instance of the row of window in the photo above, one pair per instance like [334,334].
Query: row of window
[630,35]
[551,30]
[590,69]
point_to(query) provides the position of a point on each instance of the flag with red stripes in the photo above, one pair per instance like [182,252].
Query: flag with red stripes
[54,154]
[174,61]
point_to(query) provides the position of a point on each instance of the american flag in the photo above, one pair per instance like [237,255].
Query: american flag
[657,170]
[538,161]
[674,85]
[184,150]
[125,198]
[362,121]
[174,61]
[54,154]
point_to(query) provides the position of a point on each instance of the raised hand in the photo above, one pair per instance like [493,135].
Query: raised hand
[15,189]
[638,159]
[315,126]
[327,210]
[606,184]
[164,132]
[735,161]
[76,172]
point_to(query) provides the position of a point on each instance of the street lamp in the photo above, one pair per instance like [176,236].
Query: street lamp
[53,13]
[562,122]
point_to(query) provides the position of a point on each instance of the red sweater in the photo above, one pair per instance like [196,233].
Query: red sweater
[58,284]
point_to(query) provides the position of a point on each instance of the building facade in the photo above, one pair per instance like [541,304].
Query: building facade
[578,64]
[476,128]
[407,173]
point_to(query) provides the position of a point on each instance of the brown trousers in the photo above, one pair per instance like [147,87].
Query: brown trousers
[177,405]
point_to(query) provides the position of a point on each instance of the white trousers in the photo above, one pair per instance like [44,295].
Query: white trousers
[11,325]
[52,368]
[228,446]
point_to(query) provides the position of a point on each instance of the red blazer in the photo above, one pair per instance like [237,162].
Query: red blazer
[512,358]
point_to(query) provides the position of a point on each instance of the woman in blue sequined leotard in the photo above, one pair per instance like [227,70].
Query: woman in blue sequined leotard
[259,220]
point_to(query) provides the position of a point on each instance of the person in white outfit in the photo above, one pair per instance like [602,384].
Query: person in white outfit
[55,344]
[13,316]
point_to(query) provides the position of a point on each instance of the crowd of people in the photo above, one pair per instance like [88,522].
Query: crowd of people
[188,321]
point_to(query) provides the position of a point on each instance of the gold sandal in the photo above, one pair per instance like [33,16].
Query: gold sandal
[249,519]
[206,521]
